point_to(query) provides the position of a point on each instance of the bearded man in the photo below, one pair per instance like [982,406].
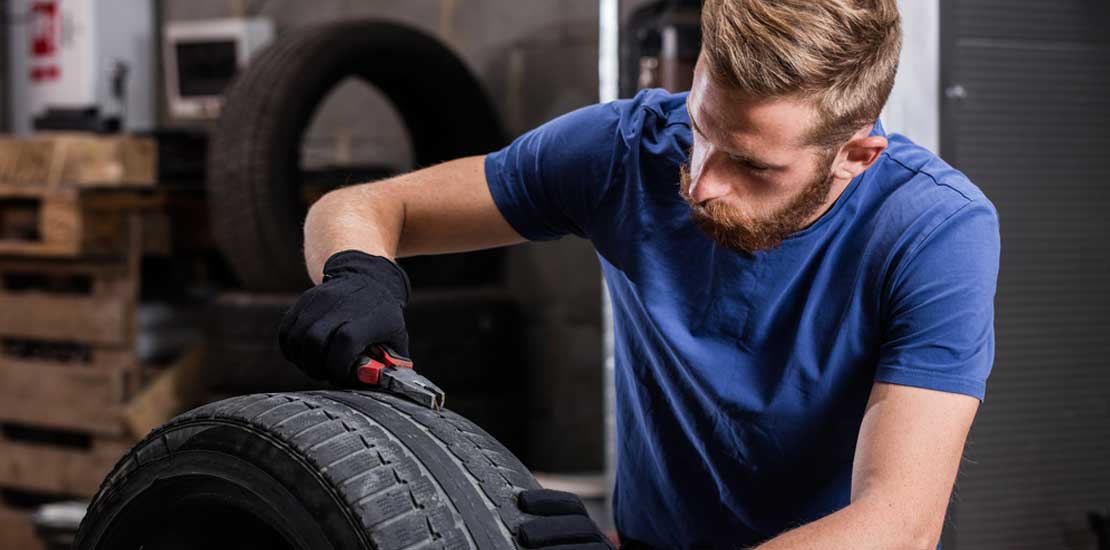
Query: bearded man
[802,304]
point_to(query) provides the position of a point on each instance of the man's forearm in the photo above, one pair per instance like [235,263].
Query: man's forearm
[361,217]
[440,209]
[862,525]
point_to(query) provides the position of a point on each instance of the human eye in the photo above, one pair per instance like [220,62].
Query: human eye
[749,165]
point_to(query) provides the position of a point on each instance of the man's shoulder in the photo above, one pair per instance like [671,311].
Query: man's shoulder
[654,117]
[917,190]
[655,102]
[920,202]
[914,172]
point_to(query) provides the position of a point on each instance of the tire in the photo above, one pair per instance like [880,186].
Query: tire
[329,469]
[254,177]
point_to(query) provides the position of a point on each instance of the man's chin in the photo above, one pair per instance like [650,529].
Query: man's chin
[737,237]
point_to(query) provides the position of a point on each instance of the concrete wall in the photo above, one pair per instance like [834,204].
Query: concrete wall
[914,105]
[537,59]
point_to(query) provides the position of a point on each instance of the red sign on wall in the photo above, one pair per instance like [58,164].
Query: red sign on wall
[44,28]
[44,40]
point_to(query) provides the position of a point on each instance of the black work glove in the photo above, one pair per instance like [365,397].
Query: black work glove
[562,523]
[359,303]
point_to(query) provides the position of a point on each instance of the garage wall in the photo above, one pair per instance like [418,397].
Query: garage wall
[537,59]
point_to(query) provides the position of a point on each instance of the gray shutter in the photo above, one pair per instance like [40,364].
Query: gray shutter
[1026,114]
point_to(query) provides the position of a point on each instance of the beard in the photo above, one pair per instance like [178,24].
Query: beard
[746,232]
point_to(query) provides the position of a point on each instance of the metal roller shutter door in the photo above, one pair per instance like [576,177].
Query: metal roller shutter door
[1027,117]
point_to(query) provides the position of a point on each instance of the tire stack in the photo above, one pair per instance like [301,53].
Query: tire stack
[461,325]
[255,182]
[241,346]
[467,342]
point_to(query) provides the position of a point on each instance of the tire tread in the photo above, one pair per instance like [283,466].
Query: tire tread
[380,479]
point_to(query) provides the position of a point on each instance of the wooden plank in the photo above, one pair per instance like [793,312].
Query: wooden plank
[119,160]
[26,248]
[88,319]
[116,277]
[17,532]
[125,360]
[61,226]
[76,159]
[56,224]
[53,395]
[70,222]
[173,391]
[58,469]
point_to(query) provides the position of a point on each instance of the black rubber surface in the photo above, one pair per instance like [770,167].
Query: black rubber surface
[327,469]
[254,175]
[241,346]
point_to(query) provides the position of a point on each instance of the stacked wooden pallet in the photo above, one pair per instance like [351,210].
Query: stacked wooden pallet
[71,238]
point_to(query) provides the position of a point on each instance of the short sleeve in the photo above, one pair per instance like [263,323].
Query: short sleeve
[939,318]
[548,182]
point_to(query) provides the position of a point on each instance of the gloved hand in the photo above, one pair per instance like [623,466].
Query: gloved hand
[562,523]
[360,302]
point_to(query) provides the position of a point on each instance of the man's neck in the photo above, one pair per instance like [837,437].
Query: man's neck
[836,189]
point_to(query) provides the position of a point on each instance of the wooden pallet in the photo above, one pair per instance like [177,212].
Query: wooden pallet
[73,461]
[55,461]
[69,289]
[73,397]
[59,159]
[69,222]
[67,343]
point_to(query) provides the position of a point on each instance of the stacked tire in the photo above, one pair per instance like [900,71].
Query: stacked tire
[255,182]
[467,342]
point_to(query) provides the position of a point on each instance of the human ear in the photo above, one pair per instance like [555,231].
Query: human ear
[858,155]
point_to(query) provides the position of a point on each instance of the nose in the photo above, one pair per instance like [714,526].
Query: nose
[707,186]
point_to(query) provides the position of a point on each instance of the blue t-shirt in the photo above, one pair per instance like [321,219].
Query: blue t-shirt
[741,379]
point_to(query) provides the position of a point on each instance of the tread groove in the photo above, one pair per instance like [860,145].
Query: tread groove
[375,494]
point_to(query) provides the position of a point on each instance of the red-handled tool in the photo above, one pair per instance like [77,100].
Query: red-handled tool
[382,367]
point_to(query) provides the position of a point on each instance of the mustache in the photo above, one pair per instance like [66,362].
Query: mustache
[712,209]
[742,231]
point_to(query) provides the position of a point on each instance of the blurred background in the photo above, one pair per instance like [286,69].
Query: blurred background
[159,156]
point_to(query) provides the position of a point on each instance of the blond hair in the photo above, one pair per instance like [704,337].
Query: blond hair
[842,54]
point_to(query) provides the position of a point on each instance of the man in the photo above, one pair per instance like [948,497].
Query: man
[803,305]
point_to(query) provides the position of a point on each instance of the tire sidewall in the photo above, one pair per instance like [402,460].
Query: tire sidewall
[292,498]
